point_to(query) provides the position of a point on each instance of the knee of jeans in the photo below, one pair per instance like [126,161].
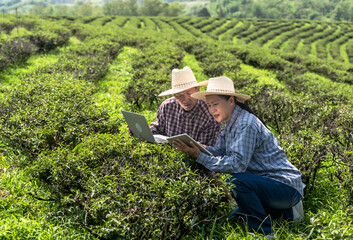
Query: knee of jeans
[239,187]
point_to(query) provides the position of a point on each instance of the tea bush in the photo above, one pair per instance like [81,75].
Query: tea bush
[88,60]
[214,58]
[15,51]
[47,111]
[120,188]
[152,73]
[6,26]
[18,48]
[52,107]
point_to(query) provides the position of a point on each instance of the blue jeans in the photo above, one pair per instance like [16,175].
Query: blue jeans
[260,198]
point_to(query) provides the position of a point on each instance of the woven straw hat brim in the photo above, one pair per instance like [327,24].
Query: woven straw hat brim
[178,90]
[202,95]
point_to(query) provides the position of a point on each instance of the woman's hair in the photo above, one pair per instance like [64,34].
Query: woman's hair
[243,106]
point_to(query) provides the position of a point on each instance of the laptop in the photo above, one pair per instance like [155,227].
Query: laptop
[139,127]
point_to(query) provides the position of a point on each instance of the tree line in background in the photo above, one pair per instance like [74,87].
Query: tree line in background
[111,8]
[339,10]
[323,10]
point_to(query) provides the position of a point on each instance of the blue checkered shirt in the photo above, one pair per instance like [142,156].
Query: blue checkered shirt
[246,145]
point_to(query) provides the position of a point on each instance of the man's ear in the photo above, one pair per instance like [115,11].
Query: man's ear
[197,89]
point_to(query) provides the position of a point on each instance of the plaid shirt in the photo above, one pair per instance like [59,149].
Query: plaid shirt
[246,145]
[172,120]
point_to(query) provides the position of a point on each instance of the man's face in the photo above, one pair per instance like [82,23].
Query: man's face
[185,100]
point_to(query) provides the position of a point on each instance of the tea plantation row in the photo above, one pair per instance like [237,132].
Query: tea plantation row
[321,39]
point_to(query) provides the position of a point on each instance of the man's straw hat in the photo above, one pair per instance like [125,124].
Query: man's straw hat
[182,79]
[220,86]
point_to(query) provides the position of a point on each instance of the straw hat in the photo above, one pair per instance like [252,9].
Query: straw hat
[181,80]
[220,86]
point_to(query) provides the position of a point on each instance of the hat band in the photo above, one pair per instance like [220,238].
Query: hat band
[182,85]
[219,90]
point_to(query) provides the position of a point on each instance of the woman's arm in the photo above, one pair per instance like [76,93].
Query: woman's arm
[239,148]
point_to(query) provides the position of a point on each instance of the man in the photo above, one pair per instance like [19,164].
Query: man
[184,114]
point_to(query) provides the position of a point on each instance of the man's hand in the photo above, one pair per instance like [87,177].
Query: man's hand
[193,151]
[131,134]
[129,131]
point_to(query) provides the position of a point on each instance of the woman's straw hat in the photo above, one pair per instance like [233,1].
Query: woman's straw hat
[220,86]
[181,80]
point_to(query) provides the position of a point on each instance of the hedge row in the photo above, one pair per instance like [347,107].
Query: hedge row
[335,49]
[284,37]
[209,54]
[217,33]
[232,33]
[268,29]
[349,50]
[288,33]
[51,107]
[16,49]
[152,73]
[262,58]
[271,35]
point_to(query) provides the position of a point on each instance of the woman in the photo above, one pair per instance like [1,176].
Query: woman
[265,182]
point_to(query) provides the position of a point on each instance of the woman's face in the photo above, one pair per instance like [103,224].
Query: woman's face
[220,108]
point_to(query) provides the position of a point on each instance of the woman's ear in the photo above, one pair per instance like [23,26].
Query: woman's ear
[232,101]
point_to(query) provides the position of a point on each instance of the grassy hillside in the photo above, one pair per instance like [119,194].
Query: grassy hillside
[69,170]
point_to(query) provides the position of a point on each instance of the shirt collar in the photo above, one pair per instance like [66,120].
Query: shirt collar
[233,118]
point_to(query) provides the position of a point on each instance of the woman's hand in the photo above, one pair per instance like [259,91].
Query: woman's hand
[193,151]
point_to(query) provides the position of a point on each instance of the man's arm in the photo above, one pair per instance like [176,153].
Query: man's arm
[158,126]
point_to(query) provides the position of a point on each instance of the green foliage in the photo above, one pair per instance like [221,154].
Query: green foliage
[6,26]
[302,9]
[17,49]
[120,8]
[22,216]
[44,113]
[213,62]
[123,188]
[53,106]
[69,168]
[152,73]
[173,10]
[89,60]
